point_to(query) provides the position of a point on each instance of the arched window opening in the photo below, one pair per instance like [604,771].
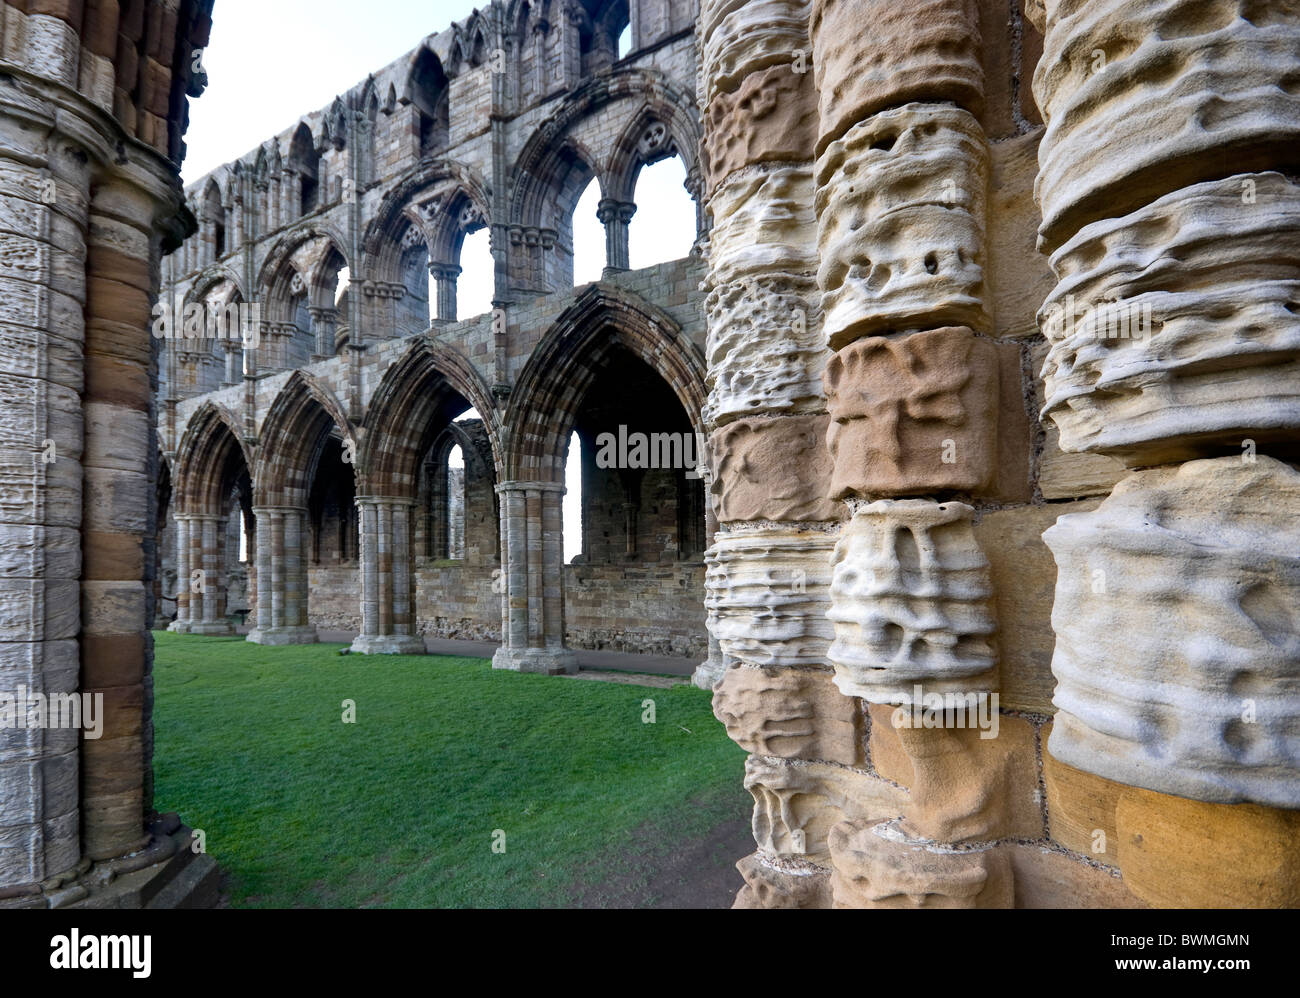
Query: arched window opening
[428,91]
[416,304]
[599,34]
[573,525]
[625,42]
[455,503]
[589,250]
[342,280]
[476,285]
[663,227]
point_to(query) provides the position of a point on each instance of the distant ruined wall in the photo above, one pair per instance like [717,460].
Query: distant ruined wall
[886,198]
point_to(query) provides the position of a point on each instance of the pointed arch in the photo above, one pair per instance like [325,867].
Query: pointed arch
[426,389]
[381,244]
[661,129]
[544,405]
[292,438]
[211,454]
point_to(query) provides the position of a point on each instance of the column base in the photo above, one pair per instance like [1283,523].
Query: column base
[547,661]
[217,627]
[284,636]
[179,627]
[388,644]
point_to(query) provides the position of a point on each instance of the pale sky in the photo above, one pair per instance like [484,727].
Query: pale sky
[270,62]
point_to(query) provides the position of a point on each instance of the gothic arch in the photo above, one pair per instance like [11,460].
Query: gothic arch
[291,440]
[661,129]
[416,398]
[382,243]
[544,404]
[205,463]
[275,278]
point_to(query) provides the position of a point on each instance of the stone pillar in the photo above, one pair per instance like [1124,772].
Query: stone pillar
[208,606]
[282,578]
[615,216]
[387,587]
[43,201]
[324,321]
[533,572]
[181,625]
[234,367]
[445,276]
[1174,346]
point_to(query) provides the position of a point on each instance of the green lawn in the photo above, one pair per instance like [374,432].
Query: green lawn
[399,809]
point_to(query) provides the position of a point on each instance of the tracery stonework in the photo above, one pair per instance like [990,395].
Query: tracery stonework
[989,543]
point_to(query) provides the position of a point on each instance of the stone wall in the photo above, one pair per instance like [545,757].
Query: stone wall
[1000,669]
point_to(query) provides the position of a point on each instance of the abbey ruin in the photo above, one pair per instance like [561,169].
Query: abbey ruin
[990,327]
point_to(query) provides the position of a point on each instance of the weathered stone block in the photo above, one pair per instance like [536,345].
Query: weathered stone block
[772,469]
[900,210]
[797,803]
[791,713]
[741,37]
[1147,96]
[765,349]
[1175,329]
[768,887]
[766,591]
[771,117]
[910,602]
[876,866]
[763,223]
[1176,657]
[914,415]
[872,54]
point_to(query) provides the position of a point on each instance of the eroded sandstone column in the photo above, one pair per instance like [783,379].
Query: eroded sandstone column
[1174,232]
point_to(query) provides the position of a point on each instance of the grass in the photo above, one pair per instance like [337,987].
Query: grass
[399,809]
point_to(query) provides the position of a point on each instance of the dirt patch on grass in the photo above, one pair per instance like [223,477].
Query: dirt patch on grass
[698,872]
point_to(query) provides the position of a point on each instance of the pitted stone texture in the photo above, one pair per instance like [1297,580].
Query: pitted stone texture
[772,469]
[790,713]
[765,349]
[768,887]
[740,37]
[1177,662]
[766,591]
[873,54]
[797,803]
[1187,89]
[911,603]
[763,223]
[876,866]
[1218,359]
[914,415]
[900,207]
[773,116]
[968,787]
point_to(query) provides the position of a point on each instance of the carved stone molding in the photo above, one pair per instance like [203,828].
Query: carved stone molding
[772,469]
